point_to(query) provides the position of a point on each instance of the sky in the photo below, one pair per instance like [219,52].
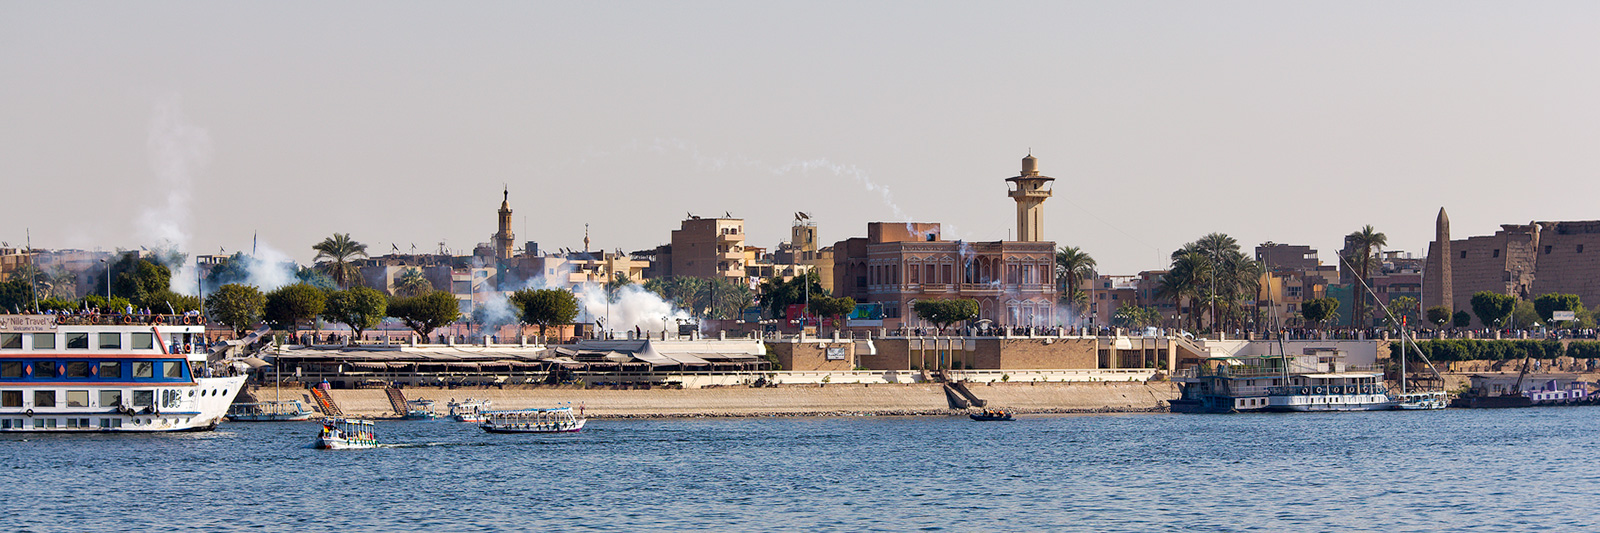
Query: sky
[208,125]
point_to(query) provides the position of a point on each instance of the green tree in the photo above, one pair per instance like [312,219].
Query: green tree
[1405,307]
[1187,281]
[136,279]
[1133,316]
[1364,242]
[335,256]
[117,304]
[1319,310]
[1461,319]
[236,306]
[165,301]
[1548,304]
[832,308]
[1073,267]
[943,313]
[289,305]
[778,294]
[1523,314]
[57,305]
[16,296]
[1439,315]
[316,278]
[359,307]
[412,282]
[548,307]
[717,298]
[1492,308]
[426,312]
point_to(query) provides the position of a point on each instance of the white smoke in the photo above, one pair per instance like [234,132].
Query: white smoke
[178,152]
[270,269]
[633,307]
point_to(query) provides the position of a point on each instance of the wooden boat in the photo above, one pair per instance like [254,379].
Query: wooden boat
[991,415]
[345,434]
[555,420]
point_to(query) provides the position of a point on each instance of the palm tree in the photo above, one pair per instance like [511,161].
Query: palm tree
[412,283]
[1363,243]
[1187,280]
[340,250]
[1073,266]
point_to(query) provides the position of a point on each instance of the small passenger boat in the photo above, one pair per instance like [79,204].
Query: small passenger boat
[555,420]
[420,409]
[468,410]
[270,411]
[992,415]
[345,434]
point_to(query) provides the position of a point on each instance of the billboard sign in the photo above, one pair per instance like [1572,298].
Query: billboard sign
[865,315]
[1563,315]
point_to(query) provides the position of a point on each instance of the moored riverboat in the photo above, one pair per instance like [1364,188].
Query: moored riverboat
[110,373]
[554,420]
[270,411]
[420,409]
[346,434]
[1277,383]
[1493,391]
[468,410]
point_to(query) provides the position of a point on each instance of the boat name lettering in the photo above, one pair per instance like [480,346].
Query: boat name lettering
[27,323]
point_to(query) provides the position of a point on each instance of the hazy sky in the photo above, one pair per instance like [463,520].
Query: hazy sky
[122,124]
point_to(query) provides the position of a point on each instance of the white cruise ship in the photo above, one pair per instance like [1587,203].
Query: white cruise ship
[73,373]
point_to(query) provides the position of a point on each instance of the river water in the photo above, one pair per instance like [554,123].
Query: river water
[1458,470]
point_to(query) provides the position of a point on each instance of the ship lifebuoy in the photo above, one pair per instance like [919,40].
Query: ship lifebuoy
[1322,390]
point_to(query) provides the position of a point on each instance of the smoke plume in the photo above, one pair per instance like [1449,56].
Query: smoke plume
[178,152]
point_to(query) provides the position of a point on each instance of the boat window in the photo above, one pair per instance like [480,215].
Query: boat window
[143,369]
[77,398]
[11,398]
[173,369]
[78,369]
[11,369]
[44,341]
[44,398]
[77,340]
[110,397]
[110,370]
[10,341]
[110,341]
[143,341]
[144,398]
[44,369]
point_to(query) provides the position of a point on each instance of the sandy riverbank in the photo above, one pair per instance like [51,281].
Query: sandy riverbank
[830,400]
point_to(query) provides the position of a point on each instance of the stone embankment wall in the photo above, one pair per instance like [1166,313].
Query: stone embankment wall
[901,399]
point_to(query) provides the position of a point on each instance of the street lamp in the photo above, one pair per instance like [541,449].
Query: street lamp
[108,282]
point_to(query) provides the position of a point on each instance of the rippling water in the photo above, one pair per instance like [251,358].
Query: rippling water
[1457,470]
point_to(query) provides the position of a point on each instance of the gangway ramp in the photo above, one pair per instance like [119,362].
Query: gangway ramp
[325,402]
[397,400]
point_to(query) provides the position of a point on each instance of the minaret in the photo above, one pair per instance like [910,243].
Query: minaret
[1437,286]
[1030,192]
[503,239]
